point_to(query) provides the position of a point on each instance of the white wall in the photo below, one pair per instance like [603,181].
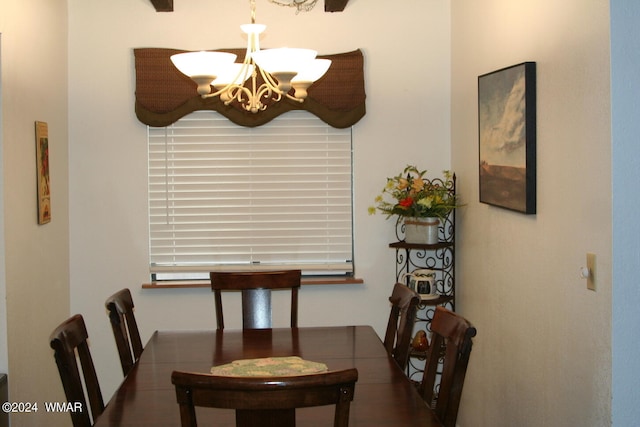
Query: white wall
[36,266]
[4,351]
[406,122]
[542,354]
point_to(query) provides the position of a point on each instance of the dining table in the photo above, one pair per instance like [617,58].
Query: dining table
[384,396]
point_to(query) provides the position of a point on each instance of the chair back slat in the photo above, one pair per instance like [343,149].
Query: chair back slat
[125,328]
[397,339]
[69,342]
[265,401]
[256,287]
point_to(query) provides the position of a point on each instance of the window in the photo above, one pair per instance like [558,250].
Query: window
[223,196]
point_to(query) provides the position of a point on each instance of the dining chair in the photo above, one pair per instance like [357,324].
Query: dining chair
[125,329]
[397,339]
[265,401]
[256,289]
[446,364]
[69,342]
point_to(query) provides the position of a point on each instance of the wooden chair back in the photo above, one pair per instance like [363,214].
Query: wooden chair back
[256,289]
[447,358]
[265,401]
[69,342]
[397,339]
[125,329]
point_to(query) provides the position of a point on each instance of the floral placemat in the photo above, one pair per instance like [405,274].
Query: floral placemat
[269,367]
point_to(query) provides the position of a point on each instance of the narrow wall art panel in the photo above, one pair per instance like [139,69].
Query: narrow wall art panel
[42,168]
[507,137]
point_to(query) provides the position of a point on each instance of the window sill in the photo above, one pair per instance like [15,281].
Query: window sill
[206,284]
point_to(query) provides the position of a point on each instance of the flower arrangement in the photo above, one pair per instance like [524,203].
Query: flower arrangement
[417,197]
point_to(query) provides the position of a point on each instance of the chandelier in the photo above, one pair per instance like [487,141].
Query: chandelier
[300,5]
[280,69]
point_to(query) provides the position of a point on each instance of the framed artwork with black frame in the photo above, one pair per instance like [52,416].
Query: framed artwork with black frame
[507,137]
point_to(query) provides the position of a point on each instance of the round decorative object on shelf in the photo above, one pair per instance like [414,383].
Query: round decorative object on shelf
[420,341]
[421,230]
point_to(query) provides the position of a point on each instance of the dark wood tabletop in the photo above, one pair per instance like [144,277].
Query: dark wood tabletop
[384,397]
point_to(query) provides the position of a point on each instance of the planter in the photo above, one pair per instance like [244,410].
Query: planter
[421,230]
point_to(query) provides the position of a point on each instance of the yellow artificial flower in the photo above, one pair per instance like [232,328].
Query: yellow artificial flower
[418,184]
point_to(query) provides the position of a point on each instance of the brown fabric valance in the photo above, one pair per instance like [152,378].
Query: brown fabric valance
[164,95]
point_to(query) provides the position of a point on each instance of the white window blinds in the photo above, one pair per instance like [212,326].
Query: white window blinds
[223,196]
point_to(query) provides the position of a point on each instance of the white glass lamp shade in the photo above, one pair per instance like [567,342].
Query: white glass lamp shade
[283,59]
[283,63]
[202,63]
[305,78]
[233,74]
[203,67]
[313,71]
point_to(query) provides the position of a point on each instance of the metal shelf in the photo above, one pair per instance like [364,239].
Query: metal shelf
[439,257]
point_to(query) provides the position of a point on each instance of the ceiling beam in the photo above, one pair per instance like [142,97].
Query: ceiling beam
[335,5]
[163,5]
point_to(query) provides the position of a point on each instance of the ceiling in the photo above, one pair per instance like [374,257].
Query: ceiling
[329,5]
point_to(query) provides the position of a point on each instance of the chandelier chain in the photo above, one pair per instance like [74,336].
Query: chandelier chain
[253,11]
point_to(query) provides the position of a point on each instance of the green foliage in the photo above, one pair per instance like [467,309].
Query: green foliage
[410,194]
